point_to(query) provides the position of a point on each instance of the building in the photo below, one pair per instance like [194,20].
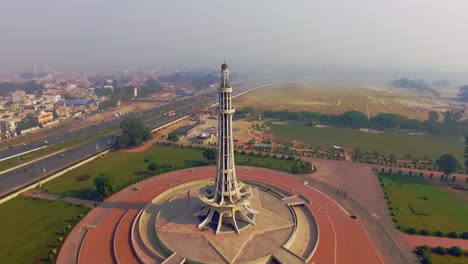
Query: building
[68,107]
[18,96]
[227,201]
[186,131]
[45,117]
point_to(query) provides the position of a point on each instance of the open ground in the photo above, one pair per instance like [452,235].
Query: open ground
[339,98]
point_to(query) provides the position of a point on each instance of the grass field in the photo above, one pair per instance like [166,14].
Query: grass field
[339,98]
[128,167]
[30,227]
[385,143]
[447,259]
[439,212]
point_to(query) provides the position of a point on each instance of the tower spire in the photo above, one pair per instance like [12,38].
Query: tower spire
[227,202]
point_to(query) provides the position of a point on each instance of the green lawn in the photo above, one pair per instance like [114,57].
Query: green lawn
[397,142]
[447,259]
[444,212]
[128,168]
[29,228]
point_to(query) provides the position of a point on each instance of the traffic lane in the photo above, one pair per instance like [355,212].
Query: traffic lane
[44,167]
[14,179]
[34,171]
[69,134]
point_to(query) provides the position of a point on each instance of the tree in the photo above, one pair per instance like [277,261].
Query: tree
[447,163]
[28,122]
[375,153]
[354,119]
[210,154]
[173,137]
[301,166]
[456,251]
[153,167]
[134,133]
[393,157]
[426,260]
[105,184]
[463,93]
[441,250]
[387,120]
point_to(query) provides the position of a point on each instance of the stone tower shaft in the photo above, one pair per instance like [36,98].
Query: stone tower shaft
[227,201]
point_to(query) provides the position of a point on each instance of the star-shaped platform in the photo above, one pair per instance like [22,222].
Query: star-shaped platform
[177,229]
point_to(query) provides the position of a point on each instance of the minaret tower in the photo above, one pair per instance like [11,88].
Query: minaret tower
[227,202]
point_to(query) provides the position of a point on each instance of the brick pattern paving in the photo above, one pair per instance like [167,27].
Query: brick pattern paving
[342,239]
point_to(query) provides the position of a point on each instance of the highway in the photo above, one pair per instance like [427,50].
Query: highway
[33,172]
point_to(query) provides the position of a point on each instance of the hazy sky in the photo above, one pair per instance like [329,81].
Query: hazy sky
[413,34]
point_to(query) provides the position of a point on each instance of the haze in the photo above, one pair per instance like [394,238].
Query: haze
[417,34]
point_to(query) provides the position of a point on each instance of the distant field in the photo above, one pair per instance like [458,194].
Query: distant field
[29,228]
[444,212]
[386,143]
[339,98]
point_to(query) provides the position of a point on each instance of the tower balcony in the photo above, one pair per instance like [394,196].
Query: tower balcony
[227,111]
[225,90]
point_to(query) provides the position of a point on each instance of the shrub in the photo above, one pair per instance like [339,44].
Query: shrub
[452,235]
[410,230]
[83,177]
[441,250]
[464,235]
[51,257]
[147,159]
[424,232]
[426,260]
[54,251]
[438,233]
[394,220]
[421,251]
[455,251]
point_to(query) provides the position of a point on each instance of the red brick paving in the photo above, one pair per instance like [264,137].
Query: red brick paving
[415,241]
[338,232]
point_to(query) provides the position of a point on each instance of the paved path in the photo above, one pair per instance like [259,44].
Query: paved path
[415,241]
[342,239]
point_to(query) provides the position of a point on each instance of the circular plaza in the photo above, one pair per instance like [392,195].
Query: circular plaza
[154,221]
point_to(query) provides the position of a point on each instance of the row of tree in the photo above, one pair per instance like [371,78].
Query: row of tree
[126,93]
[198,79]
[451,122]
[30,87]
[417,85]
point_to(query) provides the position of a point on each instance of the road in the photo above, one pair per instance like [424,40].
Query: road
[25,175]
